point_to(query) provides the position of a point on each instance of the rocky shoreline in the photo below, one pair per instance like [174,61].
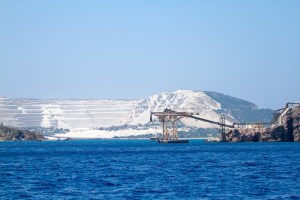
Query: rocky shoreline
[288,131]
[15,134]
[278,134]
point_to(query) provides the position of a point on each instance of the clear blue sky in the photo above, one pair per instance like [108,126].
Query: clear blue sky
[134,49]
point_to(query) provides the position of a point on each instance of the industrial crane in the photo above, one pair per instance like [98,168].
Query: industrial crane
[169,119]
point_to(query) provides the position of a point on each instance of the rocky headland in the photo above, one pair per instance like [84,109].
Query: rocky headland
[286,130]
[15,134]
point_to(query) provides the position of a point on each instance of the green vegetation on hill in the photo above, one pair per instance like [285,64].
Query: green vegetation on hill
[243,111]
[15,134]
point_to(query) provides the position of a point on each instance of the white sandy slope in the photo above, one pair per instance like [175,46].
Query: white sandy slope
[84,117]
[181,100]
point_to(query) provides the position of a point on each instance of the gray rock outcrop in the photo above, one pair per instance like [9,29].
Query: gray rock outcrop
[15,134]
[289,131]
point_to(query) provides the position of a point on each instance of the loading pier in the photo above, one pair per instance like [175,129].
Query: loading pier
[169,119]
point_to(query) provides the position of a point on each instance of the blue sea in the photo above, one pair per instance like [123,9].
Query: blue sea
[142,169]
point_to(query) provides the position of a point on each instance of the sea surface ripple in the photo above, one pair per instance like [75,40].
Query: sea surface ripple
[141,169]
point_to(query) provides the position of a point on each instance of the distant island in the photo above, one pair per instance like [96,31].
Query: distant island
[113,118]
[40,119]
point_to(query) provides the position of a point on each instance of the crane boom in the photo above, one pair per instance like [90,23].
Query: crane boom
[210,121]
[171,113]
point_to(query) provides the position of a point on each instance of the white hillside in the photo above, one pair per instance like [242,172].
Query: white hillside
[69,113]
[87,114]
[7,109]
[181,100]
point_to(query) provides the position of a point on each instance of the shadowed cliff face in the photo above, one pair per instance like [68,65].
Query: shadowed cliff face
[289,132]
[296,124]
[297,135]
[292,124]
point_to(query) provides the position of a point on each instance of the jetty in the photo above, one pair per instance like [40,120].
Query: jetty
[169,119]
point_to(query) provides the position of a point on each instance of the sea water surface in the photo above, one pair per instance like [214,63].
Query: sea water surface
[141,169]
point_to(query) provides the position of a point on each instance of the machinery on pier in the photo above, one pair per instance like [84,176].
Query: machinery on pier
[169,119]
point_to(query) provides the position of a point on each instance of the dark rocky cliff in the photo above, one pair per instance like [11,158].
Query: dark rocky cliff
[289,131]
[14,134]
